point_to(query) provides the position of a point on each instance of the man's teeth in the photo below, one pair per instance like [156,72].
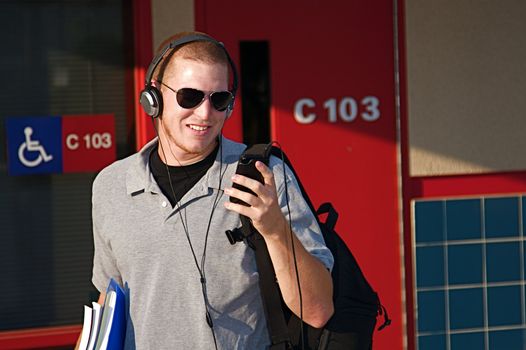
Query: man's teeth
[198,128]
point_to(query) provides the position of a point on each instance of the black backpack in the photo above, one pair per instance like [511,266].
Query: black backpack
[356,304]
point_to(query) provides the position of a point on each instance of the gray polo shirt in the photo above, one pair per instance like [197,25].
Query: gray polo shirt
[140,241]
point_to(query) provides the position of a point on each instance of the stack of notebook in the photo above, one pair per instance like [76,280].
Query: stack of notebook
[104,326]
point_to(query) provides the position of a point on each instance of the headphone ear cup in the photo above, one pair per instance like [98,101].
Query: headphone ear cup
[151,101]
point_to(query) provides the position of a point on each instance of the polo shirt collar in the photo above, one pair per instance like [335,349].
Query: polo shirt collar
[139,177]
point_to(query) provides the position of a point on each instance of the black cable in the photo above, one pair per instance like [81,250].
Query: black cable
[287,201]
[200,269]
[203,257]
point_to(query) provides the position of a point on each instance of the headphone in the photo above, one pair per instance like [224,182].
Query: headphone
[151,98]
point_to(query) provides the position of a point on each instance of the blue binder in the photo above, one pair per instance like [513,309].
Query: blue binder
[118,329]
[113,324]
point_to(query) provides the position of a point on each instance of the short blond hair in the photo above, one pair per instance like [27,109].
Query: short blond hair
[203,51]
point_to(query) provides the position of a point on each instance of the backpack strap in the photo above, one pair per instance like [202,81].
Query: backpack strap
[271,297]
[270,294]
[332,214]
[383,311]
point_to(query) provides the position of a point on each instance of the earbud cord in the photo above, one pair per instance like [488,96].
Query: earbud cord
[200,269]
[203,257]
[287,200]
[186,174]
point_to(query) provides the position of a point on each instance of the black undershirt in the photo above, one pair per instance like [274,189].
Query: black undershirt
[183,177]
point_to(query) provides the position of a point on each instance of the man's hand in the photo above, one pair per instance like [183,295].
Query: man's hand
[264,210]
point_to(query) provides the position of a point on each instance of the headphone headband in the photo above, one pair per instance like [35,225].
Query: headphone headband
[185,40]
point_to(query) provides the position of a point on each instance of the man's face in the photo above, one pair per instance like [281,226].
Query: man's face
[191,133]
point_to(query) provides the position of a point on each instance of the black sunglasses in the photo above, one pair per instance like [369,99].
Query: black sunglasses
[190,98]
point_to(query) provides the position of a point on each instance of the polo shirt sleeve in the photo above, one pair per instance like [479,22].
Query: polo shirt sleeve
[304,223]
[104,266]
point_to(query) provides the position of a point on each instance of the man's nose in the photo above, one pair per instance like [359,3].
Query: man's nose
[205,108]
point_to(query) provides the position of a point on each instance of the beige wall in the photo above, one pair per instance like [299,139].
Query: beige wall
[466,71]
[170,17]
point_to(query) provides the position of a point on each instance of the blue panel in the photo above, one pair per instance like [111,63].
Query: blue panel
[501,217]
[429,266]
[465,341]
[507,340]
[466,308]
[463,219]
[429,221]
[524,215]
[504,306]
[431,311]
[503,261]
[34,145]
[465,264]
[432,342]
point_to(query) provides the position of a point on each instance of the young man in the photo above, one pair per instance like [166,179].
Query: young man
[160,216]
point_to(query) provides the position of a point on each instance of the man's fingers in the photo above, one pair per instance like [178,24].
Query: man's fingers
[252,184]
[268,176]
[239,208]
[246,197]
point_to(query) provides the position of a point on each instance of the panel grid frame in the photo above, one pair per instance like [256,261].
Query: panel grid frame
[430,336]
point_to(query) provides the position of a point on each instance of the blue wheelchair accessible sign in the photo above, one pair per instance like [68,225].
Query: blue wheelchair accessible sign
[34,145]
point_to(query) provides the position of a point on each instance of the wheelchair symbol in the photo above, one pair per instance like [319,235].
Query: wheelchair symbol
[31,146]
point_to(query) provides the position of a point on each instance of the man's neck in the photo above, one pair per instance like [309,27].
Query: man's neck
[173,155]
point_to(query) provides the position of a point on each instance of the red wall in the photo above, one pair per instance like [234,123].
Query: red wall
[333,55]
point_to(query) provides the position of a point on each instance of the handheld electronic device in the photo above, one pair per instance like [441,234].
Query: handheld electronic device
[247,167]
